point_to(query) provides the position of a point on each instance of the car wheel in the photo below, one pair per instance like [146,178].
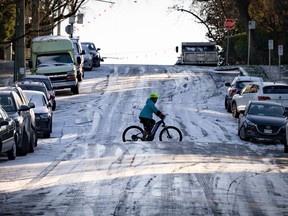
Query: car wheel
[242,133]
[11,154]
[234,111]
[54,105]
[46,134]
[24,149]
[75,90]
[33,140]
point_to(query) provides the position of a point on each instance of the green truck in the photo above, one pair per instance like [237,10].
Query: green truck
[54,56]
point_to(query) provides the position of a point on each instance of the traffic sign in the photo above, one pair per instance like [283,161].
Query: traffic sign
[280,50]
[270,45]
[229,24]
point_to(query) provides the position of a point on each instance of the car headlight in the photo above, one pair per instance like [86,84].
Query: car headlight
[250,123]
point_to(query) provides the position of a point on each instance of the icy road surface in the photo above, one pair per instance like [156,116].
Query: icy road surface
[86,169]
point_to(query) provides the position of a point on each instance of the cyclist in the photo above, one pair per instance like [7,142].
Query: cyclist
[146,115]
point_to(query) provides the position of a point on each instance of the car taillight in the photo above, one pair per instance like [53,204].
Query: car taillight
[261,98]
[233,91]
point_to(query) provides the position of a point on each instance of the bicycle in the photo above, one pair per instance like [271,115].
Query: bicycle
[168,133]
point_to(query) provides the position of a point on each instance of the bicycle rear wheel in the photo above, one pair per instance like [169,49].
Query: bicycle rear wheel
[170,133]
[132,133]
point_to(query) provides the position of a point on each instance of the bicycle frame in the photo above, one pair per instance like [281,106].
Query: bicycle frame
[154,129]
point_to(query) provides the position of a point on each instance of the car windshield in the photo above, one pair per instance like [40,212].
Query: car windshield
[241,84]
[44,60]
[38,100]
[266,110]
[45,81]
[89,46]
[33,88]
[7,103]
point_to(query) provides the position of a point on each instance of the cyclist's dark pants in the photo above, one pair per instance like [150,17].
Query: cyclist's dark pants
[147,123]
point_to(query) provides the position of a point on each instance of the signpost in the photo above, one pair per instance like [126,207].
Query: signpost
[270,47]
[280,53]
[251,25]
[229,24]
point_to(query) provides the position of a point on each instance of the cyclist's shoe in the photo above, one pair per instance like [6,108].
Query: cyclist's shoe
[144,137]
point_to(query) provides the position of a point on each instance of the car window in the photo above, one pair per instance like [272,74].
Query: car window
[1,115]
[275,89]
[7,103]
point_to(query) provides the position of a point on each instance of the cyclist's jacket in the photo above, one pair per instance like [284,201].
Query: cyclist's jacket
[149,109]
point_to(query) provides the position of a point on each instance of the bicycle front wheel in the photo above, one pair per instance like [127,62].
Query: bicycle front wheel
[170,133]
[132,133]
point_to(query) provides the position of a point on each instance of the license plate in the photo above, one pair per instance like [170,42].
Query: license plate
[268,131]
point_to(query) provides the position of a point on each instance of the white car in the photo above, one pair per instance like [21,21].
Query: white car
[271,91]
[235,86]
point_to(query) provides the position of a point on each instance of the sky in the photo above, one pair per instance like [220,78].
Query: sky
[138,31]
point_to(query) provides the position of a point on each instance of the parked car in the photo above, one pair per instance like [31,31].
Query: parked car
[20,113]
[43,112]
[78,54]
[88,58]
[263,119]
[272,91]
[95,53]
[47,81]
[38,86]
[24,100]
[8,135]
[235,86]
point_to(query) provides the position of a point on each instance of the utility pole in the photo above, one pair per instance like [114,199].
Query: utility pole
[19,60]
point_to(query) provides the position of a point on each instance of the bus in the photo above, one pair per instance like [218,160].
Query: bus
[198,53]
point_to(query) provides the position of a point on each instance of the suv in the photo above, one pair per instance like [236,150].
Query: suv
[46,80]
[78,54]
[38,86]
[275,92]
[20,113]
[237,84]
[94,52]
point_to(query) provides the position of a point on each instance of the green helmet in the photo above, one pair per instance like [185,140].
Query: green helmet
[153,96]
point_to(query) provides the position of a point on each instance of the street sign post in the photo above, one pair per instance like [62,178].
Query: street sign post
[229,24]
[280,53]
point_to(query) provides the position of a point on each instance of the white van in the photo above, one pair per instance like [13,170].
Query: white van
[54,56]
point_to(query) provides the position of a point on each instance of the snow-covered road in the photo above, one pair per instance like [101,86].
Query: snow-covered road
[85,168]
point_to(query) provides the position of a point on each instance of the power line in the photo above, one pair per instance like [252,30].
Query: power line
[105,1]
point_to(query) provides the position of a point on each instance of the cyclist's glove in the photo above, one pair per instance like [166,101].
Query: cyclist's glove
[162,116]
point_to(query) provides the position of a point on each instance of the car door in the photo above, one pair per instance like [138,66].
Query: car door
[6,131]
[247,93]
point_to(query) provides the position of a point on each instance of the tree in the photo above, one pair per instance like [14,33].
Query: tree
[270,16]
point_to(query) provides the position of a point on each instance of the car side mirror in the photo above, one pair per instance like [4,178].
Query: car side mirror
[285,113]
[78,60]
[228,84]
[31,105]
[177,49]
[24,108]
